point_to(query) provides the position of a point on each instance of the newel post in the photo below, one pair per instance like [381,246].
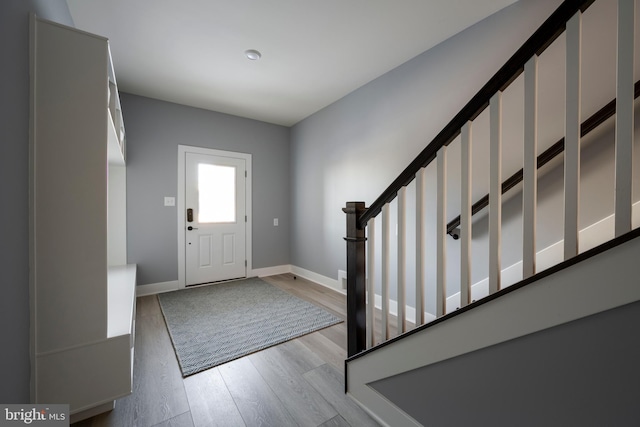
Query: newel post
[356,286]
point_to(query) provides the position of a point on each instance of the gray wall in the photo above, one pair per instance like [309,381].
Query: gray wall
[582,373]
[14,213]
[354,148]
[154,131]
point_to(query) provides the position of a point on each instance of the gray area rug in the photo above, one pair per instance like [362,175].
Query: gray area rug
[214,324]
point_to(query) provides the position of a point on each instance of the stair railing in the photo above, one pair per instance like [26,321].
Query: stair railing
[360,219]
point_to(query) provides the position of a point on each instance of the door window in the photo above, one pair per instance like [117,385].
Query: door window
[216,193]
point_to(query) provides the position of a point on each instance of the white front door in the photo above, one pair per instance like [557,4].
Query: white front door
[215,218]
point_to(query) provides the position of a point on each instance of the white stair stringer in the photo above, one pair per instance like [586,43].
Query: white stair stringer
[598,283]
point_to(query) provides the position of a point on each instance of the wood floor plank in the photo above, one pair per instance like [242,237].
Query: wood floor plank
[299,357]
[182,420]
[328,381]
[303,402]
[326,349]
[210,401]
[147,306]
[158,390]
[257,403]
[336,333]
[336,421]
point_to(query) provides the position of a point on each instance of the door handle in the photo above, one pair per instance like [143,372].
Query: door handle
[191,228]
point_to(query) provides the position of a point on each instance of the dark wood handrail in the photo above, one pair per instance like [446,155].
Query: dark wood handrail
[535,45]
[549,154]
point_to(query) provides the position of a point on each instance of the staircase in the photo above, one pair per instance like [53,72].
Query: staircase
[471,334]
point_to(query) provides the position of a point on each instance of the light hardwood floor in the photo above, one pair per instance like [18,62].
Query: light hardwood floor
[298,383]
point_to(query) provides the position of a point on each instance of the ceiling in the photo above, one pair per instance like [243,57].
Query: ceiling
[313,52]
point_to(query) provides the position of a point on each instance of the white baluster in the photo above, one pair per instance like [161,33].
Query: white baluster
[371,283]
[624,117]
[420,247]
[495,190]
[530,168]
[441,233]
[572,137]
[402,203]
[465,214]
[384,328]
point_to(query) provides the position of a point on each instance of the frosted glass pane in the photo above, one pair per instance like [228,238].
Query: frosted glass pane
[216,193]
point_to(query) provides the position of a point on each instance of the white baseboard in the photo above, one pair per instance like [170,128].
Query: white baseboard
[410,312]
[270,271]
[336,286]
[318,278]
[173,285]
[589,237]
[156,288]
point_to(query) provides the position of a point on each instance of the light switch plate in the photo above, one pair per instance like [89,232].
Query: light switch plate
[169,201]
[275,222]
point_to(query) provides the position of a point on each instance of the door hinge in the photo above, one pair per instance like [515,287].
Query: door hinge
[245,174]
[245,218]
[245,262]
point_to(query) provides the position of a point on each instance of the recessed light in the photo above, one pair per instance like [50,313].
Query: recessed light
[252,54]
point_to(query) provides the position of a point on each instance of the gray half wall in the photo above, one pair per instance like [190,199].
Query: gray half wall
[154,131]
[583,373]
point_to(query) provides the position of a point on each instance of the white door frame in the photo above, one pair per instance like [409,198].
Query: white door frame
[182,150]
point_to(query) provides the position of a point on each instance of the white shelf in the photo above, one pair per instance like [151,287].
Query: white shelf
[121,288]
[115,156]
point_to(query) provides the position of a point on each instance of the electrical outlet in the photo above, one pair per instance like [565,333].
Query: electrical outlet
[169,201]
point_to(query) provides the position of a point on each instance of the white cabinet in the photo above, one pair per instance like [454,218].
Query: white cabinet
[82,291]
